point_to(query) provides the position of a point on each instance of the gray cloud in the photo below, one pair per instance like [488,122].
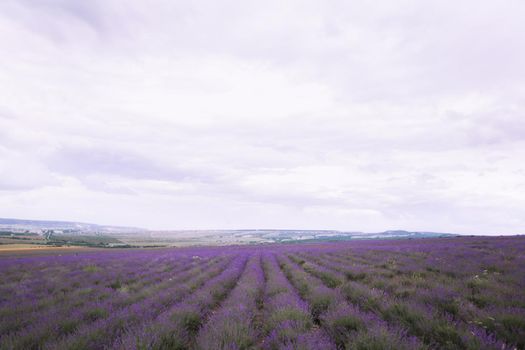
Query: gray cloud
[87,161]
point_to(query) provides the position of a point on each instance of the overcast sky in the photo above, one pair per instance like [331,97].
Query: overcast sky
[351,115]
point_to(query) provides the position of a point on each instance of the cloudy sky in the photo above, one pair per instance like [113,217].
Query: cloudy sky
[353,115]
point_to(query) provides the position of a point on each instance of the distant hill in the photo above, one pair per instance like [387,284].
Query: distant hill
[313,235]
[140,236]
[64,226]
[255,236]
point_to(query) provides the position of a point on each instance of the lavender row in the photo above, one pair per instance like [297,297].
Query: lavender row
[234,325]
[179,324]
[349,326]
[107,289]
[419,319]
[287,320]
[457,293]
[94,311]
[498,316]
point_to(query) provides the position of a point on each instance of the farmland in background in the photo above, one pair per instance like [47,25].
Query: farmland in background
[435,293]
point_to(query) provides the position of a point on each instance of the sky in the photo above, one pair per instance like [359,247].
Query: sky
[345,115]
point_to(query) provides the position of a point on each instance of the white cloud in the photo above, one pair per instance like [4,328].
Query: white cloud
[198,114]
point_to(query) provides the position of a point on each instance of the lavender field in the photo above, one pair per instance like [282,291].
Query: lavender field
[454,293]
